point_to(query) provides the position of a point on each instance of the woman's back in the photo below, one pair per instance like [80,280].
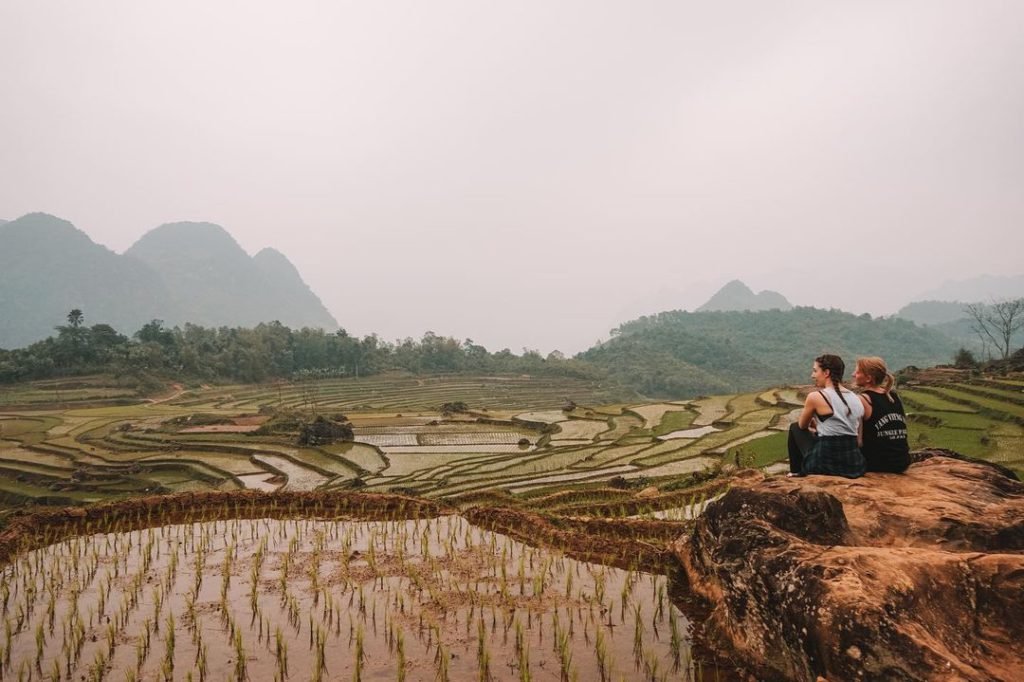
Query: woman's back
[847,413]
[836,452]
[885,446]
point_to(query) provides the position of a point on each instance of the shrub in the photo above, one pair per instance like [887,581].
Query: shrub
[964,359]
[323,431]
[455,407]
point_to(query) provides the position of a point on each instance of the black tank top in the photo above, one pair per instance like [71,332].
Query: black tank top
[885,434]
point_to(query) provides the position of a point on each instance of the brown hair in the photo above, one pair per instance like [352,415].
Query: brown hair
[875,368]
[835,366]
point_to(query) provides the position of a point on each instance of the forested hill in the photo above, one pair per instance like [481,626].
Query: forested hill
[180,273]
[678,353]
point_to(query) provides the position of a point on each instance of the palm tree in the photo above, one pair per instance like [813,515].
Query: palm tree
[75,318]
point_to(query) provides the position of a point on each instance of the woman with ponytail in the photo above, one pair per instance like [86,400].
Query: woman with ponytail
[824,438]
[884,443]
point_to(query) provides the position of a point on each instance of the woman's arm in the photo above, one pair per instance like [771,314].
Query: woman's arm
[867,406]
[811,405]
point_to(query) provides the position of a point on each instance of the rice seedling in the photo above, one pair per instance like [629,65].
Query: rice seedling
[325,599]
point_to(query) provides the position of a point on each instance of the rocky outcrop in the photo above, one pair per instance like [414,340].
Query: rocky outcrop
[917,576]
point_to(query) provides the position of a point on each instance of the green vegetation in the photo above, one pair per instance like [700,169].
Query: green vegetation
[928,401]
[761,452]
[670,355]
[680,354]
[676,420]
[266,352]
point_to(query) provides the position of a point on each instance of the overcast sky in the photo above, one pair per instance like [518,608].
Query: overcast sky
[530,174]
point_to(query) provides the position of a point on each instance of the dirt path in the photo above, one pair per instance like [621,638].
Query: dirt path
[177,390]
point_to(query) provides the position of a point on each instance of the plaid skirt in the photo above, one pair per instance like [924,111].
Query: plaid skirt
[835,456]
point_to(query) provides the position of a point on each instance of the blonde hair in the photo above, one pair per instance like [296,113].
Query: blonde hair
[875,368]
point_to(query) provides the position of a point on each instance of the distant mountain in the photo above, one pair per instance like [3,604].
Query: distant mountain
[679,354]
[184,272]
[951,319]
[982,288]
[738,296]
[210,276]
[48,267]
[933,312]
[290,290]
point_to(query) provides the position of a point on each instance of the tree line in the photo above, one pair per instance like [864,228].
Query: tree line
[266,351]
[669,355]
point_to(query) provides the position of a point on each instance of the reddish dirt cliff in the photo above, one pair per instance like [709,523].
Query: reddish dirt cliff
[908,577]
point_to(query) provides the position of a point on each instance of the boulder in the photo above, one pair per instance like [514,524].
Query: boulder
[918,576]
[648,493]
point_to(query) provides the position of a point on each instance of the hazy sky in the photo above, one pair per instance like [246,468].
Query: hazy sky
[530,174]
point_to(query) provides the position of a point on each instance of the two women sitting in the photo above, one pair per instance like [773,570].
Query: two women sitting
[840,433]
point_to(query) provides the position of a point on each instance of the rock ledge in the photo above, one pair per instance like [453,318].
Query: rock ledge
[909,577]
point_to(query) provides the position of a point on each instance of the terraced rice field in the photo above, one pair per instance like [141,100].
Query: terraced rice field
[82,454]
[346,586]
[524,548]
[981,419]
[654,413]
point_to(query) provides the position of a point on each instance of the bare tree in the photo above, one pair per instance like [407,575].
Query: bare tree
[997,322]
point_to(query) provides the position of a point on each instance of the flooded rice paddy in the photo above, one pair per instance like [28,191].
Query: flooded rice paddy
[265,599]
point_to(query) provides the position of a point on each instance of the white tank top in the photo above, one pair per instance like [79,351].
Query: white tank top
[841,422]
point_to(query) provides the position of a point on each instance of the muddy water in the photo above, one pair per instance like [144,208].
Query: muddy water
[689,433]
[326,599]
[264,482]
[299,477]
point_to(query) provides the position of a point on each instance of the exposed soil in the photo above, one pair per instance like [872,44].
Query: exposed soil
[627,543]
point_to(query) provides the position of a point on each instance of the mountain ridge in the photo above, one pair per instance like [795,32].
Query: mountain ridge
[982,289]
[735,295]
[177,272]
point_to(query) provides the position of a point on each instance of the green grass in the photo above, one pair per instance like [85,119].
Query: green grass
[965,441]
[958,420]
[760,452]
[676,420]
[1003,394]
[1014,383]
[927,401]
[993,404]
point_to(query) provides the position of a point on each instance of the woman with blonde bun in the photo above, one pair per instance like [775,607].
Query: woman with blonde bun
[884,444]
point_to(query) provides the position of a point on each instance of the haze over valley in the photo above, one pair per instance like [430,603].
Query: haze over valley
[534,175]
[179,299]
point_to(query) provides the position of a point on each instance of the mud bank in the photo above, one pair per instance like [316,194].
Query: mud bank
[35,528]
